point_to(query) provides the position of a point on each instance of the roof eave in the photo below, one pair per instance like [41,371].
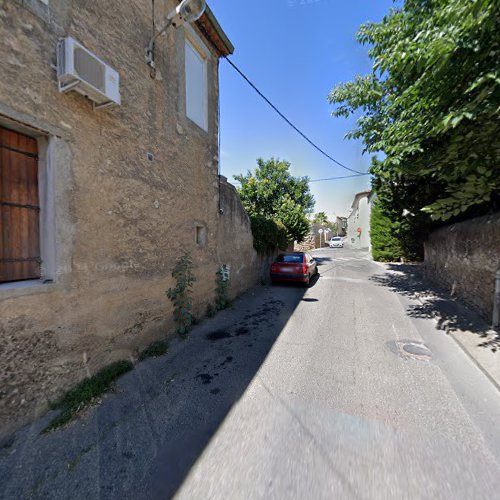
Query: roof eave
[211,28]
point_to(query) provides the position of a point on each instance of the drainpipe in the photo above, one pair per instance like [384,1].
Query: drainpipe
[496,301]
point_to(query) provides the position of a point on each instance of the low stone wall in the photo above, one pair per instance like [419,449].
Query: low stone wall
[311,242]
[307,245]
[234,245]
[464,258]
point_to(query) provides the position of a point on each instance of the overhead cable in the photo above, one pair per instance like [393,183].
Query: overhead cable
[315,146]
[340,177]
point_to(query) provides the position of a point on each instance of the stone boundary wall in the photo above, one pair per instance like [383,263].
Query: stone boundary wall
[463,258]
[234,245]
[307,245]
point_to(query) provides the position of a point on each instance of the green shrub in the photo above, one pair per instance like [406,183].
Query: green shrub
[396,237]
[385,244]
[158,348]
[268,234]
[222,288]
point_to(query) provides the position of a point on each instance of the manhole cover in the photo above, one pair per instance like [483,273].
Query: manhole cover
[413,350]
[417,350]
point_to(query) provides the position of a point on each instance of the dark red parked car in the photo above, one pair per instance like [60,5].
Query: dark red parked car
[297,266]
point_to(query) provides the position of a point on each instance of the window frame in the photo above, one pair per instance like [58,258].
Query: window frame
[200,50]
[46,221]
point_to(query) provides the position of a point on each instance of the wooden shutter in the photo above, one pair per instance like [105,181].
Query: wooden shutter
[19,207]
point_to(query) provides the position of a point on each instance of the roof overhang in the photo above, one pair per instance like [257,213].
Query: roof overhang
[213,32]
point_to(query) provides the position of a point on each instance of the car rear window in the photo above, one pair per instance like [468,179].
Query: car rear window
[337,238]
[298,259]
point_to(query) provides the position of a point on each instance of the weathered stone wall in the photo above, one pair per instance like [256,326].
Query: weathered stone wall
[121,219]
[464,258]
[235,243]
[310,242]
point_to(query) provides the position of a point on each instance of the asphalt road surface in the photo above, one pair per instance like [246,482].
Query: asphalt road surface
[340,390]
[356,400]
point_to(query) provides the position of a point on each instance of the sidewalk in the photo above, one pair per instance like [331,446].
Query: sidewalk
[466,327]
[160,416]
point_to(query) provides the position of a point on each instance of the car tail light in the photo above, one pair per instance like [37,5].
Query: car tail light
[274,267]
[303,268]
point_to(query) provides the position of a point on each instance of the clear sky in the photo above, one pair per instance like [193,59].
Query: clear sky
[295,51]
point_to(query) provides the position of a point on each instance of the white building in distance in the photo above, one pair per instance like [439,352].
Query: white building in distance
[358,221]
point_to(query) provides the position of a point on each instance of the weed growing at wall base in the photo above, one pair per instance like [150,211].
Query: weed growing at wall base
[158,348]
[86,392]
[222,288]
[181,294]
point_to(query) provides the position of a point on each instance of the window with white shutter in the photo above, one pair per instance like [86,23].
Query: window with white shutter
[196,86]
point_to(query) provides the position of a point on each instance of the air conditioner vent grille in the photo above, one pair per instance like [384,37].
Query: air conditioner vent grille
[89,69]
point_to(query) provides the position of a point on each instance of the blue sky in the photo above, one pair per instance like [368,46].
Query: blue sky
[295,51]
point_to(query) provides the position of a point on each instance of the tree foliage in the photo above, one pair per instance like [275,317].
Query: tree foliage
[384,242]
[320,218]
[431,105]
[268,234]
[271,193]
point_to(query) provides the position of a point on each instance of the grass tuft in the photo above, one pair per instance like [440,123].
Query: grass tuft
[86,392]
[158,348]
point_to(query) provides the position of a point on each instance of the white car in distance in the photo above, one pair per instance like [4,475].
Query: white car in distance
[336,242]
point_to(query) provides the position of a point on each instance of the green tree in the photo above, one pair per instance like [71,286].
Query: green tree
[268,233]
[320,218]
[431,105]
[273,193]
[383,235]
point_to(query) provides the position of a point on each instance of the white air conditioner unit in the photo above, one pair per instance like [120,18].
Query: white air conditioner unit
[78,69]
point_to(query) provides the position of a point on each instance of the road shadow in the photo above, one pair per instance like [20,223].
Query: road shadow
[450,314]
[142,440]
[297,284]
[322,260]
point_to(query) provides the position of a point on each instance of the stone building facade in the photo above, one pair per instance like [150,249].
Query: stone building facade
[123,192]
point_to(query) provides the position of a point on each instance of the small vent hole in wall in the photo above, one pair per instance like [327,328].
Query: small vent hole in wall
[201,235]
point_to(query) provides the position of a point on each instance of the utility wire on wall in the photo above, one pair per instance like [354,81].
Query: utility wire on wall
[315,146]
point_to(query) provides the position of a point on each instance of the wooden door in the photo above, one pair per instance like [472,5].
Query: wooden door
[19,207]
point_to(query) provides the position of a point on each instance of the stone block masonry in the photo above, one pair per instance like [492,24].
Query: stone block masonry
[464,258]
[128,190]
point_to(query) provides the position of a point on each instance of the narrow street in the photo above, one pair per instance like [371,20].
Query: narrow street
[339,410]
[341,390]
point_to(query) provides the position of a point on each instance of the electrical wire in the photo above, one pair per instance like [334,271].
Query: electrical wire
[315,146]
[336,178]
